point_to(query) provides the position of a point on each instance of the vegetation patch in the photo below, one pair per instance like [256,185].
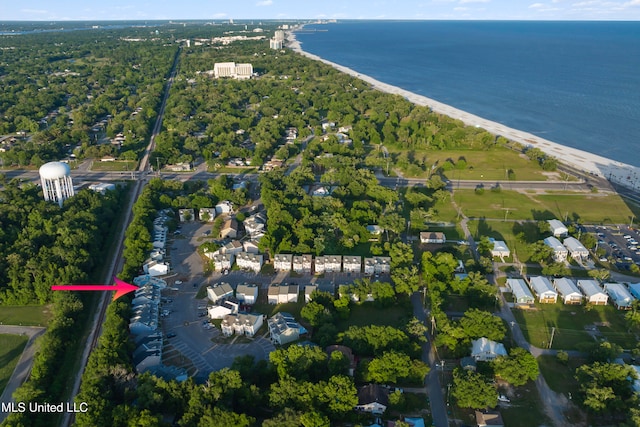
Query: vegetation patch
[25,315]
[11,347]
[573,325]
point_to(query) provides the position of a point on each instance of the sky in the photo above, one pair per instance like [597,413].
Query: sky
[217,10]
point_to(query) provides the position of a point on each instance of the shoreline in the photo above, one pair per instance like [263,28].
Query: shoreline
[589,163]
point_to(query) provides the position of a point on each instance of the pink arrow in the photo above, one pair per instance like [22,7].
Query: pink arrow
[121,288]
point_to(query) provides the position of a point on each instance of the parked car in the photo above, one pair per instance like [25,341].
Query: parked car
[171,335]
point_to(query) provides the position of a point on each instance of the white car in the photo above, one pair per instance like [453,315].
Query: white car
[503,398]
[178,282]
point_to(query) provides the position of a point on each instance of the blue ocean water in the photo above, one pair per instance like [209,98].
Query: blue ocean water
[574,83]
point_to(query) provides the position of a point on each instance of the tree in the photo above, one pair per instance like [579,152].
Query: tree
[478,323]
[517,368]
[471,390]
[316,314]
[417,329]
[300,362]
[606,386]
[540,252]
[339,395]
[557,269]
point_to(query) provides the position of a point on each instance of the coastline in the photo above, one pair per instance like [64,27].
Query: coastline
[593,164]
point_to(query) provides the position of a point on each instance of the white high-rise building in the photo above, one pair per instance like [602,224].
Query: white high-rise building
[56,182]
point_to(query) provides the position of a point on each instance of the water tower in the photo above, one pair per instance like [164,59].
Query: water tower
[56,181]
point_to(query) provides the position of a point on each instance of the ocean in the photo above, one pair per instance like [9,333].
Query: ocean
[574,83]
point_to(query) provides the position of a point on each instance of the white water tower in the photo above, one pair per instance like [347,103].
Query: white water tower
[56,181]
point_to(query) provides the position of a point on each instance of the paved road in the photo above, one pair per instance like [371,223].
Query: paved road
[21,372]
[434,388]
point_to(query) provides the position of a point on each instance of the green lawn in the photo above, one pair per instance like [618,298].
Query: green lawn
[292,308]
[117,166]
[11,347]
[570,323]
[481,164]
[367,313]
[527,401]
[558,376]
[586,207]
[26,315]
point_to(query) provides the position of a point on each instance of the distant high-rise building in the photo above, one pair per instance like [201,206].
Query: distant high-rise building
[277,42]
[56,182]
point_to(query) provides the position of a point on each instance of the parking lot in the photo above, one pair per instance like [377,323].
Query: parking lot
[189,336]
[621,243]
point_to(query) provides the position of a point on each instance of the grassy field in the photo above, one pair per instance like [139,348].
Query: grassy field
[116,166]
[366,314]
[526,401]
[11,347]
[571,323]
[597,208]
[26,315]
[481,164]
[560,377]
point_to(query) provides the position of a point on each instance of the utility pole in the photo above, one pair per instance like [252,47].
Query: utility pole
[631,223]
[553,332]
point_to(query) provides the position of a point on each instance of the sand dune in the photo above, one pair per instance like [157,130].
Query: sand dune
[617,172]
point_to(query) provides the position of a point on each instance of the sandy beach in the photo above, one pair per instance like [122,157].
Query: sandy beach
[617,172]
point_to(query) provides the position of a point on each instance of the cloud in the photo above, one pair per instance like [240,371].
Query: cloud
[36,11]
[536,6]
[474,1]
[264,3]
[632,3]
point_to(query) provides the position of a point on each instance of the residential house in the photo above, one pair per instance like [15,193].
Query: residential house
[318,265]
[148,353]
[634,289]
[620,296]
[155,268]
[283,328]
[229,229]
[282,262]
[500,249]
[207,214]
[489,419]
[297,263]
[233,247]
[219,292]
[147,294]
[247,293]
[282,293]
[250,246]
[560,252]
[222,261]
[432,237]
[558,229]
[593,292]
[568,290]
[369,266]
[468,363]
[247,261]
[254,225]
[374,230]
[307,262]
[332,263]
[222,310]
[543,289]
[373,398]
[241,324]
[576,249]
[224,207]
[378,264]
[147,280]
[321,191]
[186,215]
[521,293]
[483,350]
[308,290]
[144,319]
[352,264]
